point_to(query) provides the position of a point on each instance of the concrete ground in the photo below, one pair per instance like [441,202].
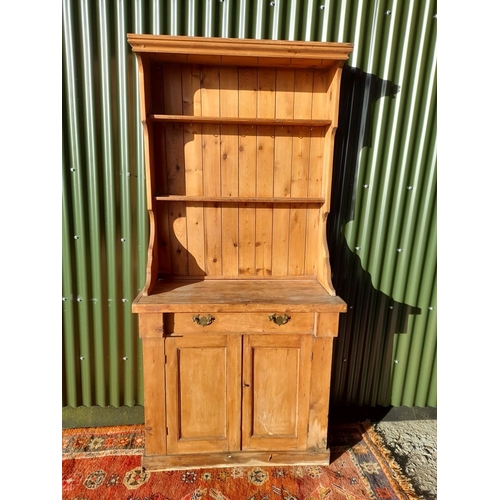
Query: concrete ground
[410,434]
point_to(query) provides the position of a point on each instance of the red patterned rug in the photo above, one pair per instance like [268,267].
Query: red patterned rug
[105,464]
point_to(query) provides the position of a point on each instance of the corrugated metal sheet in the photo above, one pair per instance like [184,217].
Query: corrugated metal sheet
[382,229]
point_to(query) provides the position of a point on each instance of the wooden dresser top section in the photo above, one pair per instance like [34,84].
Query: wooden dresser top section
[238,296]
[235,51]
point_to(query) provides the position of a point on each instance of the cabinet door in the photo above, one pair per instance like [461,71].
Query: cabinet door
[203,393]
[276,385]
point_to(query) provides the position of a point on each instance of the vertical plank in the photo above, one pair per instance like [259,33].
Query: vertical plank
[172,89]
[229,78]
[178,238]
[210,99]
[266,93]
[303,93]
[195,226]
[163,237]
[315,177]
[191,106]
[213,239]
[266,108]
[247,107]
[174,155]
[195,235]
[153,359]
[298,214]
[285,87]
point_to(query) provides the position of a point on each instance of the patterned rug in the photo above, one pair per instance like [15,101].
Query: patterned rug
[105,464]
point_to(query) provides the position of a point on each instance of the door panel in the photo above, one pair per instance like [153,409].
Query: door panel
[276,386]
[203,393]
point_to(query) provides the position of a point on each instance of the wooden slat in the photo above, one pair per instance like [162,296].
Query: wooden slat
[213,239]
[178,238]
[266,96]
[174,167]
[229,170]
[195,226]
[191,102]
[162,226]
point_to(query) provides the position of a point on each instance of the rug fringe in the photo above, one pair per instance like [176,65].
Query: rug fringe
[395,468]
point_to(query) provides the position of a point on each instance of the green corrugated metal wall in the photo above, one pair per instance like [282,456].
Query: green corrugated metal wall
[382,227]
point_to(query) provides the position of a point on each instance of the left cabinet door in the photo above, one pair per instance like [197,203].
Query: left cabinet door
[203,393]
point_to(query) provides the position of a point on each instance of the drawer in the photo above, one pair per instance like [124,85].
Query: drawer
[181,323]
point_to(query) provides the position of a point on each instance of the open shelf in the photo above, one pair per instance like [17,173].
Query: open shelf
[236,120]
[239,199]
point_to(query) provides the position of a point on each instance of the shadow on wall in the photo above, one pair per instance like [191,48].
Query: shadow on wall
[362,363]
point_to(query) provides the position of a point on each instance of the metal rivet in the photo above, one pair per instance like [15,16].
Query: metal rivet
[64,299]
[351,307]
[122,239]
[128,174]
[321,6]
[125,358]
[124,300]
[72,169]
[344,360]
[79,299]
[388,12]
[76,237]
[431,308]
[391,307]
[435,16]
[396,361]
[272,4]
[81,358]
[399,250]
[357,248]
[366,186]
[409,188]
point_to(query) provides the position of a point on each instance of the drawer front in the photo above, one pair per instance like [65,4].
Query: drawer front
[271,322]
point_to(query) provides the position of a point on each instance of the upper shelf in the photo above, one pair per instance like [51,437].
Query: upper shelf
[235,120]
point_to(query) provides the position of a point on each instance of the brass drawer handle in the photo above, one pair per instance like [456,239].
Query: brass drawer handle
[203,320]
[279,320]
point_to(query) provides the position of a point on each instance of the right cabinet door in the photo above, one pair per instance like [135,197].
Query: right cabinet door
[276,391]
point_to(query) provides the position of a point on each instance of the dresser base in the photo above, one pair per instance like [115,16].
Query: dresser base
[236,459]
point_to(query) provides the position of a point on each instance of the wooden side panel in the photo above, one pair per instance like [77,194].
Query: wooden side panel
[151,332]
[320,393]
[203,380]
[332,103]
[276,380]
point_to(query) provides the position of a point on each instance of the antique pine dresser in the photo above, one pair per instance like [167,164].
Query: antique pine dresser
[238,314]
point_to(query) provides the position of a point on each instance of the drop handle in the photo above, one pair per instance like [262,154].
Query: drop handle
[279,320]
[203,320]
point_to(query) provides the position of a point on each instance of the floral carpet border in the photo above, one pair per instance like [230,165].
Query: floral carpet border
[378,475]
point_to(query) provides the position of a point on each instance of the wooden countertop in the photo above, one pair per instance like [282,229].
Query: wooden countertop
[238,295]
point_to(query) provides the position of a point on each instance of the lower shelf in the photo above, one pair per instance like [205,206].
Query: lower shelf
[234,459]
